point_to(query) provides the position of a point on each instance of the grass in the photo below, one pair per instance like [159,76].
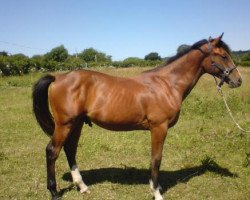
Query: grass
[205,155]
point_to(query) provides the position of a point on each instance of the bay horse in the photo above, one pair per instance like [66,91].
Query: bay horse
[150,101]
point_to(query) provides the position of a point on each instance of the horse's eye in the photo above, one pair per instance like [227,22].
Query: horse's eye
[224,57]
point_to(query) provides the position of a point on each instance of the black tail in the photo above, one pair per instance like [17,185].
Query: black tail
[41,104]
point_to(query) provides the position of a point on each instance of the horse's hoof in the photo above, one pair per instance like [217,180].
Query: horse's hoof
[56,197]
[85,191]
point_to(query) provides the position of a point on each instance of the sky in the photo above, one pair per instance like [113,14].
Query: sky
[128,28]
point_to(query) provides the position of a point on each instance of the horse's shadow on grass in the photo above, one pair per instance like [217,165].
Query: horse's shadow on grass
[130,175]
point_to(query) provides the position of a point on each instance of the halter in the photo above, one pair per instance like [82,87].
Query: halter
[225,71]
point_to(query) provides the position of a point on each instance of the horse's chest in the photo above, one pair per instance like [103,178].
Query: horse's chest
[161,117]
[174,119]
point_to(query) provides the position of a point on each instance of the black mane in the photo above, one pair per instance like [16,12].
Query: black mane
[197,45]
[186,51]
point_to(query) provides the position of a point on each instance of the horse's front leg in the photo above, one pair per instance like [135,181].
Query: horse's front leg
[158,135]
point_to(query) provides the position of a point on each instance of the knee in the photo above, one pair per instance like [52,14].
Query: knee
[51,152]
[156,163]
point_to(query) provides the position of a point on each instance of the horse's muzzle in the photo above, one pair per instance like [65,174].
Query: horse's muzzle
[235,83]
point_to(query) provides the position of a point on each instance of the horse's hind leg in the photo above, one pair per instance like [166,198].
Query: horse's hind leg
[70,149]
[52,152]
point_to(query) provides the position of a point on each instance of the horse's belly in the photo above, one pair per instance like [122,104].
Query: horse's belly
[119,114]
[120,127]
[120,124]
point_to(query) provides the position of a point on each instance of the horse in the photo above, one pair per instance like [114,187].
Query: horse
[151,100]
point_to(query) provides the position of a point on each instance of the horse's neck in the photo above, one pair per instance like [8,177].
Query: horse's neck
[184,73]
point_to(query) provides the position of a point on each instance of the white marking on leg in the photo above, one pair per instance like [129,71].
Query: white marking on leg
[151,184]
[77,179]
[156,192]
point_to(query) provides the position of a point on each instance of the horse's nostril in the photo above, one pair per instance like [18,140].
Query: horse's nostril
[240,81]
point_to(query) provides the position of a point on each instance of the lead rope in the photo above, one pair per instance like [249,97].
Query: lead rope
[227,107]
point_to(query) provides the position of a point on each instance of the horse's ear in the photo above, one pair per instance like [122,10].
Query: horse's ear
[221,35]
[217,40]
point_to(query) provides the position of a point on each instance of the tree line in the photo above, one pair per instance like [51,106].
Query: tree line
[59,59]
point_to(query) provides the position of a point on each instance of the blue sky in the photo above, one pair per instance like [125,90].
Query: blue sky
[121,28]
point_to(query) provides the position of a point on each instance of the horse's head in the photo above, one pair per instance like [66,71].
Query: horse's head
[219,62]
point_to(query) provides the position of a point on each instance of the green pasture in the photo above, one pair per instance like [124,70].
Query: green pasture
[205,155]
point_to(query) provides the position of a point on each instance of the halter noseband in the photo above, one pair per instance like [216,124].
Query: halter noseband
[225,71]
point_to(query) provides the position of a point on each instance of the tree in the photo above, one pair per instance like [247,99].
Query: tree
[3,53]
[58,54]
[133,61]
[38,62]
[152,56]
[19,56]
[183,48]
[246,57]
[17,64]
[245,60]
[92,55]
[73,62]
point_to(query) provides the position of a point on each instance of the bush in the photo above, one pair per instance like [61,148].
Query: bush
[116,64]
[14,65]
[136,62]
[246,57]
[245,63]
[72,63]
[132,61]
[37,63]
[4,66]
